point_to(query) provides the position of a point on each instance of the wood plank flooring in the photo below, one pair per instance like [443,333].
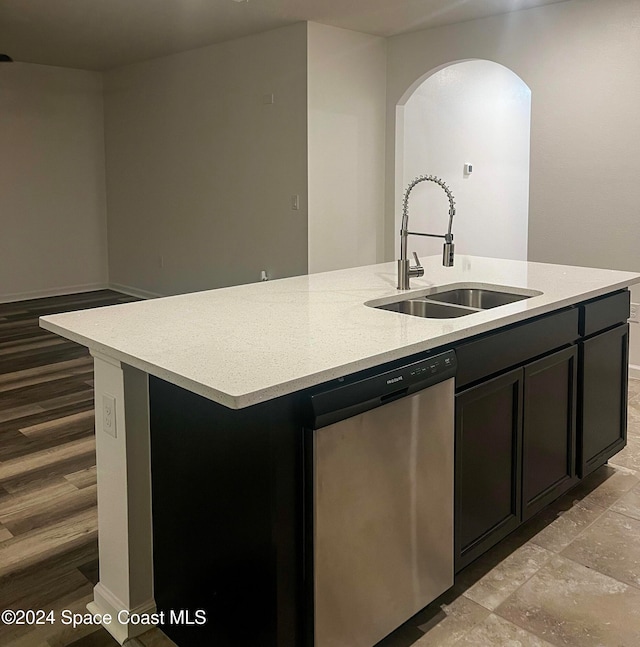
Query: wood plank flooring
[48,520]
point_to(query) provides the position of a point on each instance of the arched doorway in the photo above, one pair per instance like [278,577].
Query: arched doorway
[469,112]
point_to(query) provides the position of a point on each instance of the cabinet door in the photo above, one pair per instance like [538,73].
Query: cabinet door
[549,430]
[487,476]
[602,420]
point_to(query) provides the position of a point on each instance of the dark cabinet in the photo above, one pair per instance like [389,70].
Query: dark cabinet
[549,430]
[602,409]
[515,450]
[539,405]
[487,465]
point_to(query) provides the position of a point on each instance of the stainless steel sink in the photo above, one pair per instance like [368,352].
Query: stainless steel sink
[427,309]
[452,303]
[477,298]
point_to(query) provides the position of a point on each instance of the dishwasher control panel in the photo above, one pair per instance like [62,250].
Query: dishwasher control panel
[361,395]
[435,365]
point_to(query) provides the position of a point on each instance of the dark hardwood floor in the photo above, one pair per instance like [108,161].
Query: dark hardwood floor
[48,520]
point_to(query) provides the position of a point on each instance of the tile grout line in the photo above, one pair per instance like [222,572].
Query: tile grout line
[559,554]
[604,511]
[546,561]
[514,621]
[595,570]
[624,514]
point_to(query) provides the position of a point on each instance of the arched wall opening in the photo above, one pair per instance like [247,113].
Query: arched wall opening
[468,112]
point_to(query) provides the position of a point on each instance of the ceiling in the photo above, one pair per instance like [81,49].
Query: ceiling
[101,34]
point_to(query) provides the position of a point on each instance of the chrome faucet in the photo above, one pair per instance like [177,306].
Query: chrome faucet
[405,270]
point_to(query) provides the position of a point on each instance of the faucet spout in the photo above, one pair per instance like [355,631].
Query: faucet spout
[405,271]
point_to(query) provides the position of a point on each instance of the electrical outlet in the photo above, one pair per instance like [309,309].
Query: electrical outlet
[634,312]
[109,415]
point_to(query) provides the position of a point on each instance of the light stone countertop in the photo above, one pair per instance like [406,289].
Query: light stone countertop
[241,345]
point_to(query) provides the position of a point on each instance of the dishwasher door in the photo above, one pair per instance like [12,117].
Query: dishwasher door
[382,516]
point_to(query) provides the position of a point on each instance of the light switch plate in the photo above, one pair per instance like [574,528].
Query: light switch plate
[109,415]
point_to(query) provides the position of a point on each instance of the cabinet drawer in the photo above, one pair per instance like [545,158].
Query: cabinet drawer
[604,312]
[517,345]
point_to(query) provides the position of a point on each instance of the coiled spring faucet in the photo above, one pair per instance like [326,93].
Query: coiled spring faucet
[405,270]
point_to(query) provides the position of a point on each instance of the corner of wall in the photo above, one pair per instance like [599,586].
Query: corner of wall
[346,146]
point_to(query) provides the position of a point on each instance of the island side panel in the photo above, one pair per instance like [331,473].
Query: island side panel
[227,517]
[124,497]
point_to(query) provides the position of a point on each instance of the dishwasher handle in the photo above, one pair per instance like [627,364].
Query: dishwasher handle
[394,395]
[345,401]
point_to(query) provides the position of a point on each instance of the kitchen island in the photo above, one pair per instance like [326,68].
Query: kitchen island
[246,358]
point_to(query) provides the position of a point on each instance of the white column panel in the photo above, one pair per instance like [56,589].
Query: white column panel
[124,497]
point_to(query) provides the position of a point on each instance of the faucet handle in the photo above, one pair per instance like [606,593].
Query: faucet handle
[417,270]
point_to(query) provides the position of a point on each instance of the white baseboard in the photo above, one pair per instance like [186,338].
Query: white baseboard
[134,292]
[105,602]
[634,371]
[52,292]
[77,289]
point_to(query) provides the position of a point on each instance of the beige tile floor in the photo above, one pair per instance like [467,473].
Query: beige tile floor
[570,577]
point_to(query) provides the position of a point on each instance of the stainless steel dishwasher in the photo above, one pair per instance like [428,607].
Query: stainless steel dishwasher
[380,457]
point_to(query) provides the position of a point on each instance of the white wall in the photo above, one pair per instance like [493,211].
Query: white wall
[52,188]
[581,60]
[200,170]
[476,112]
[346,122]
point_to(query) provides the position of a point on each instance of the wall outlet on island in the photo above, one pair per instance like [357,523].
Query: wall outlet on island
[634,313]
[109,415]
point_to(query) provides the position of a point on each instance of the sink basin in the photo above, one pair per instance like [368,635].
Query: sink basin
[452,302]
[427,309]
[477,298]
